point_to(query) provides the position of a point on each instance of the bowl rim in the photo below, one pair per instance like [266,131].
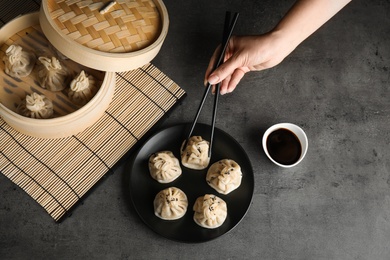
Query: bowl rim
[295,129]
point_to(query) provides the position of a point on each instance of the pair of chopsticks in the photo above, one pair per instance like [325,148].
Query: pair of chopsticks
[227,33]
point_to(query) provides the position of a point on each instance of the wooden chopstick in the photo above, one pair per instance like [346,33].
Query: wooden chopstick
[227,33]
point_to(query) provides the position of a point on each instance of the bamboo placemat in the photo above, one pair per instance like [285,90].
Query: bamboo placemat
[58,172]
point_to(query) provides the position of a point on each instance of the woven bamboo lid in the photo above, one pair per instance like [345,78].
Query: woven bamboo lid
[128,35]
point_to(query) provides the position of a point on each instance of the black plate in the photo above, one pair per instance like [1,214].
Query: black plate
[143,188]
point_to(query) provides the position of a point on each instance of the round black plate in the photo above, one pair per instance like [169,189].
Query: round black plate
[143,188]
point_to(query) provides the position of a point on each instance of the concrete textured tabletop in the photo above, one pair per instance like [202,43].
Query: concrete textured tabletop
[334,205]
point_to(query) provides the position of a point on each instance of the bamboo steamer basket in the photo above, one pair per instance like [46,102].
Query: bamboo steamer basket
[68,118]
[99,60]
[127,37]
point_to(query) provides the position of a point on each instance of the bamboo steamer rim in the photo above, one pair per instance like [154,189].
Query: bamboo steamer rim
[100,60]
[65,125]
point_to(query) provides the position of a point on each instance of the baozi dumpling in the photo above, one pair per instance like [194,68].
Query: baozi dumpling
[224,176]
[82,88]
[196,153]
[170,204]
[210,211]
[36,106]
[164,167]
[51,74]
[18,63]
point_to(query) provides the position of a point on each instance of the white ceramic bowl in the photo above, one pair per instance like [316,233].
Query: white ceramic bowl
[299,133]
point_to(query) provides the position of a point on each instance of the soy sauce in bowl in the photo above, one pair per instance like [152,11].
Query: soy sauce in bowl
[284,146]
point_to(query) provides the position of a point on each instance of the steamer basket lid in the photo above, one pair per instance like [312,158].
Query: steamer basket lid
[127,36]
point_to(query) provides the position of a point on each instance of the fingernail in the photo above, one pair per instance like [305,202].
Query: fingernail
[213,79]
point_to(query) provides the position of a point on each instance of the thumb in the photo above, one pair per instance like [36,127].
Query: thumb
[224,70]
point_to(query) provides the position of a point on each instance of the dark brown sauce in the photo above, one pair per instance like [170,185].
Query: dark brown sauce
[284,146]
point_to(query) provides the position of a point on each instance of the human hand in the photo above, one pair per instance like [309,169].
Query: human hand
[244,54]
[250,53]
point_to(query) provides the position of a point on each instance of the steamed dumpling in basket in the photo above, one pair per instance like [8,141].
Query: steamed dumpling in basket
[82,88]
[36,106]
[51,74]
[18,63]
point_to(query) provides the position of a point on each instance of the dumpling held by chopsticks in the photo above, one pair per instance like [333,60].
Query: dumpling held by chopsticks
[196,153]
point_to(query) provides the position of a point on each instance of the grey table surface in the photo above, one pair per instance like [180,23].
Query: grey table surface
[334,205]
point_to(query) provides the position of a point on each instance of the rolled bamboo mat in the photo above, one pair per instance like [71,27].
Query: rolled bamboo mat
[58,172]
